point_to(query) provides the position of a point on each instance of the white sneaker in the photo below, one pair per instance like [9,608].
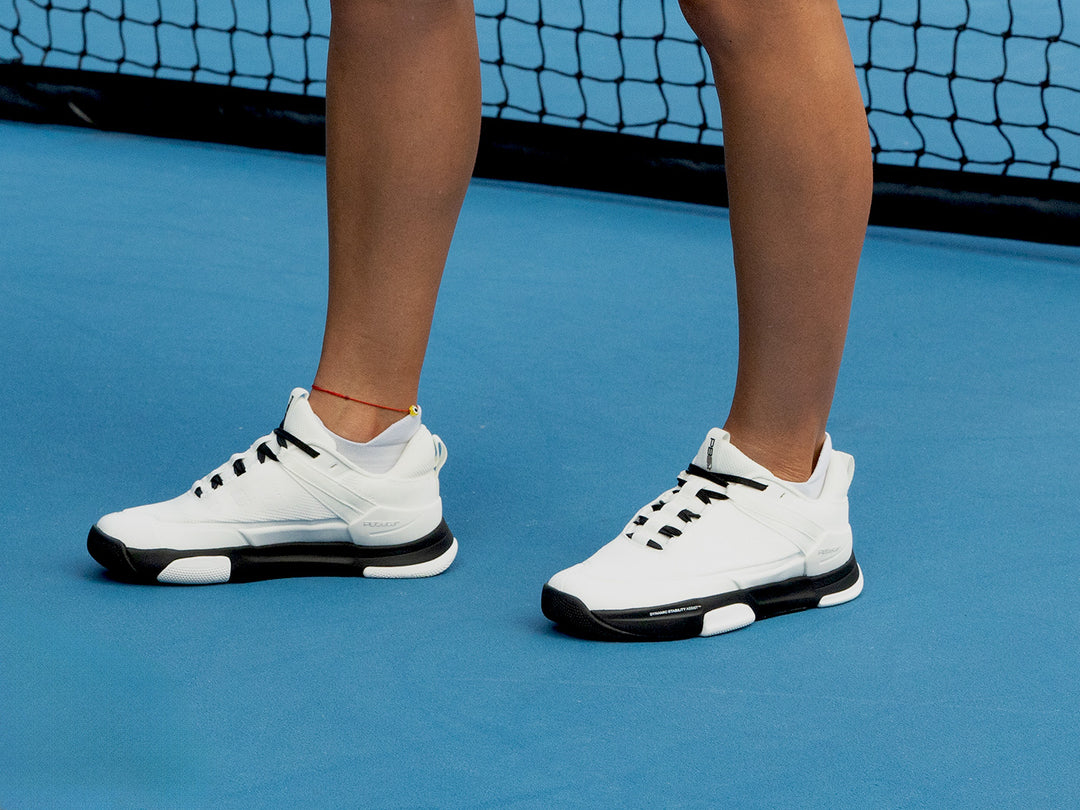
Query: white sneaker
[289,506]
[729,545]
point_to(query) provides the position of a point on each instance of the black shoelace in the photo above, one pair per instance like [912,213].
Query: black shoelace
[705,495]
[262,453]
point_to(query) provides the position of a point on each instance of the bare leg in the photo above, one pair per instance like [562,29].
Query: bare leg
[800,178]
[403,118]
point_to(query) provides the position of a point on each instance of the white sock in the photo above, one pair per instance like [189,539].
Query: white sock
[381,453]
[812,487]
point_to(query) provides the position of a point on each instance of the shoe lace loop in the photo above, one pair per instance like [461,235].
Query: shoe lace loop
[703,493]
[263,452]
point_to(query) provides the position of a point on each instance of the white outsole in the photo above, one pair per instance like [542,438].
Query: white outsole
[846,595]
[425,569]
[739,615]
[196,571]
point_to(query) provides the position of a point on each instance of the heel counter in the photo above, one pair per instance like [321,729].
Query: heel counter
[425,454]
[839,476]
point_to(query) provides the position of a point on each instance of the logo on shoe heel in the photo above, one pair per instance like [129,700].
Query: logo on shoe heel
[708,454]
[825,552]
[380,524]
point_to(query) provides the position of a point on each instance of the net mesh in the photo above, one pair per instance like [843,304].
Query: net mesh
[990,86]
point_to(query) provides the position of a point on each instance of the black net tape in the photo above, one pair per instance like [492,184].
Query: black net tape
[984,86]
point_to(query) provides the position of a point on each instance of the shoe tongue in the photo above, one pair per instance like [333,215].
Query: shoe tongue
[718,454]
[302,422]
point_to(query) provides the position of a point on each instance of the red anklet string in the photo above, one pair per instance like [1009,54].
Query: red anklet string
[412,410]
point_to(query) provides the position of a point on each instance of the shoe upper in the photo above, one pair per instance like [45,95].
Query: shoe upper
[293,486]
[730,524]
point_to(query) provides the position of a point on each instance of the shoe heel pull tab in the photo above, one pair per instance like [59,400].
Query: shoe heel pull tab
[841,473]
[440,452]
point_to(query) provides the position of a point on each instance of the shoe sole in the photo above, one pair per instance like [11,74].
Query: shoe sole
[707,616]
[426,557]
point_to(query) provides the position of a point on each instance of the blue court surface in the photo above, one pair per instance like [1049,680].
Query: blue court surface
[162,298]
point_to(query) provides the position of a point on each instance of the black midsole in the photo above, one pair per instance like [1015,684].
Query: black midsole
[272,561]
[685,619]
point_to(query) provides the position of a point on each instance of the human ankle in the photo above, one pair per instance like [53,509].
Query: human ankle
[789,459]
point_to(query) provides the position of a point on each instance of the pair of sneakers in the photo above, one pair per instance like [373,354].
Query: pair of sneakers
[730,544]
